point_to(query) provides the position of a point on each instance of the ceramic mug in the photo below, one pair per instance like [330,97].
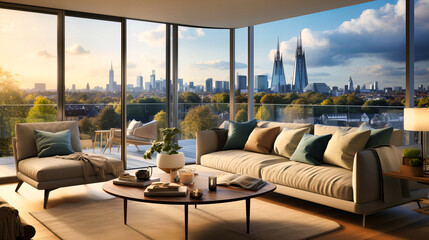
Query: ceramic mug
[144,174]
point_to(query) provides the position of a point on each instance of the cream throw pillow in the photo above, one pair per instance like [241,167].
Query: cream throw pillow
[287,141]
[343,146]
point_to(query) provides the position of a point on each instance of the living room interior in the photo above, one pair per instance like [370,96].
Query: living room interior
[322,104]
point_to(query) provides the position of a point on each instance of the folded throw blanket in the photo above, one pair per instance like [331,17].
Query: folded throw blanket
[389,159]
[100,164]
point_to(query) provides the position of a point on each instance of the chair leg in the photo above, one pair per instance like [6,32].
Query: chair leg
[363,220]
[45,200]
[137,147]
[119,147]
[19,185]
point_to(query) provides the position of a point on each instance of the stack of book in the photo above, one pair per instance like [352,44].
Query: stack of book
[160,189]
[132,181]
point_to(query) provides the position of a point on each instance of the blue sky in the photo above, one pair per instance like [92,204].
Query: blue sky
[365,41]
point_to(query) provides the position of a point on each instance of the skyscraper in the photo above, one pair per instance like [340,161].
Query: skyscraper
[225,86]
[351,88]
[152,80]
[278,82]
[87,87]
[261,83]
[209,85]
[139,83]
[112,84]
[376,85]
[241,82]
[180,83]
[218,86]
[300,79]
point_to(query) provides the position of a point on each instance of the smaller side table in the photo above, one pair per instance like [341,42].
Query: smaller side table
[422,180]
[99,134]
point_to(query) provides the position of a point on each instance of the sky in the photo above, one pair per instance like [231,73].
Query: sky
[365,41]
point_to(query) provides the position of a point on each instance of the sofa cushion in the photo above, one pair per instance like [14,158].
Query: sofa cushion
[310,149]
[239,161]
[25,139]
[238,133]
[51,169]
[343,146]
[51,144]
[287,141]
[133,125]
[323,179]
[261,140]
[282,125]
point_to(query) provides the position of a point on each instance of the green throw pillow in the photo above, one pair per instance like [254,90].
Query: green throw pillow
[51,144]
[378,136]
[311,148]
[238,133]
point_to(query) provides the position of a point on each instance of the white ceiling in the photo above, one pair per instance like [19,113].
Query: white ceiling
[204,13]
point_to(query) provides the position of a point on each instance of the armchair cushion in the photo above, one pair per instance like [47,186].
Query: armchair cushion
[51,144]
[133,125]
[26,141]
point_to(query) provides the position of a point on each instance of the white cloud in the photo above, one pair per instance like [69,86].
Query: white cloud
[42,53]
[77,50]
[217,64]
[200,32]
[131,65]
[377,33]
[191,33]
[154,37]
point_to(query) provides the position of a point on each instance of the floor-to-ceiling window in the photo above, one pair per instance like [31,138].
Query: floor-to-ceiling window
[28,75]
[146,83]
[93,82]
[241,71]
[203,79]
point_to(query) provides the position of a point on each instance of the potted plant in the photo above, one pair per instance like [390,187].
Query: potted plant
[168,155]
[412,163]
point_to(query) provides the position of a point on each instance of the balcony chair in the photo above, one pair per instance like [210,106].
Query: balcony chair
[143,135]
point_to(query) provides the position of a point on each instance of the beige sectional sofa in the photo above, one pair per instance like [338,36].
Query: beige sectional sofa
[357,191]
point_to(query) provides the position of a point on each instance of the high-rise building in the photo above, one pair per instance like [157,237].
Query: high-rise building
[225,86]
[87,87]
[209,85]
[191,85]
[180,84]
[351,88]
[261,83]
[318,87]
[278,81]
[241,82]
[112,84]
[147,86]
[73,87]
[152,80]
[376,85]
[218,86]
[300,79]
[139,83]
[40,87]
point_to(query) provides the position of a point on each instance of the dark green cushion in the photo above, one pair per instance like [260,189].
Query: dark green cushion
[51,144]
[378,136]
[238,133]
[311,148]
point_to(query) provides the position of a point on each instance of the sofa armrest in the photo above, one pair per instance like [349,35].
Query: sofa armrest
[210,141]
[366,178]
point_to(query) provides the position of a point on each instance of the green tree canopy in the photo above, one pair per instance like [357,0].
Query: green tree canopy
[220,98]
[42,111]
[263,113]
[241,116]
[107,118]
[327,101]
[257,97]
[161,118]
[198,118]
[189,97]
[353,99]
[423,102]
[271,99]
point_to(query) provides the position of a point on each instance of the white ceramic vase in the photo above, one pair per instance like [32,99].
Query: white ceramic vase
[167,162]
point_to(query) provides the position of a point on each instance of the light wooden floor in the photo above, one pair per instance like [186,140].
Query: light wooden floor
[395,223]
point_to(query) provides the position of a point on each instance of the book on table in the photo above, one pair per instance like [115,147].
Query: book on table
[134,182]
[161,189]
[242,181]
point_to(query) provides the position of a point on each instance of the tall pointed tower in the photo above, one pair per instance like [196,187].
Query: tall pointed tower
[300,79]
[278,82]
[111,79]
[351,88]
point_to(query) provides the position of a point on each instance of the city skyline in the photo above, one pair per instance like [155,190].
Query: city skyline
[366,47]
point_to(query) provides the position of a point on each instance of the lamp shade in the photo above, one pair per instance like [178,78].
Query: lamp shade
[416,119]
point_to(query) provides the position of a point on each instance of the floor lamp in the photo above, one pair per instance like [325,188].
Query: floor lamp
[417,119]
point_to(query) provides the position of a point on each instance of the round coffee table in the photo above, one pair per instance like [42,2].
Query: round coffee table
[221,195]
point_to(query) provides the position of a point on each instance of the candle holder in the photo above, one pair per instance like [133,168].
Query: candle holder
[196,193]
[212,183]
[186,176]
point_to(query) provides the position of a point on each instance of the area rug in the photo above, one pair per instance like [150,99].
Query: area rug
[104,220]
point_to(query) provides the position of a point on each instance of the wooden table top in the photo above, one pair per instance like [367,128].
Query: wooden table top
[398,174]
[222,194]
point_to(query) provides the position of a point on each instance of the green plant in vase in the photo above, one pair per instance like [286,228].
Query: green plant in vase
[412,162]
[168,156]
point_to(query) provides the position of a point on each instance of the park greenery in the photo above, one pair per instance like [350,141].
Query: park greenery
[197,111]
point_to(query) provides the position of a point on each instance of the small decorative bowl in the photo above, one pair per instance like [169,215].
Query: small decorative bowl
[196,193]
